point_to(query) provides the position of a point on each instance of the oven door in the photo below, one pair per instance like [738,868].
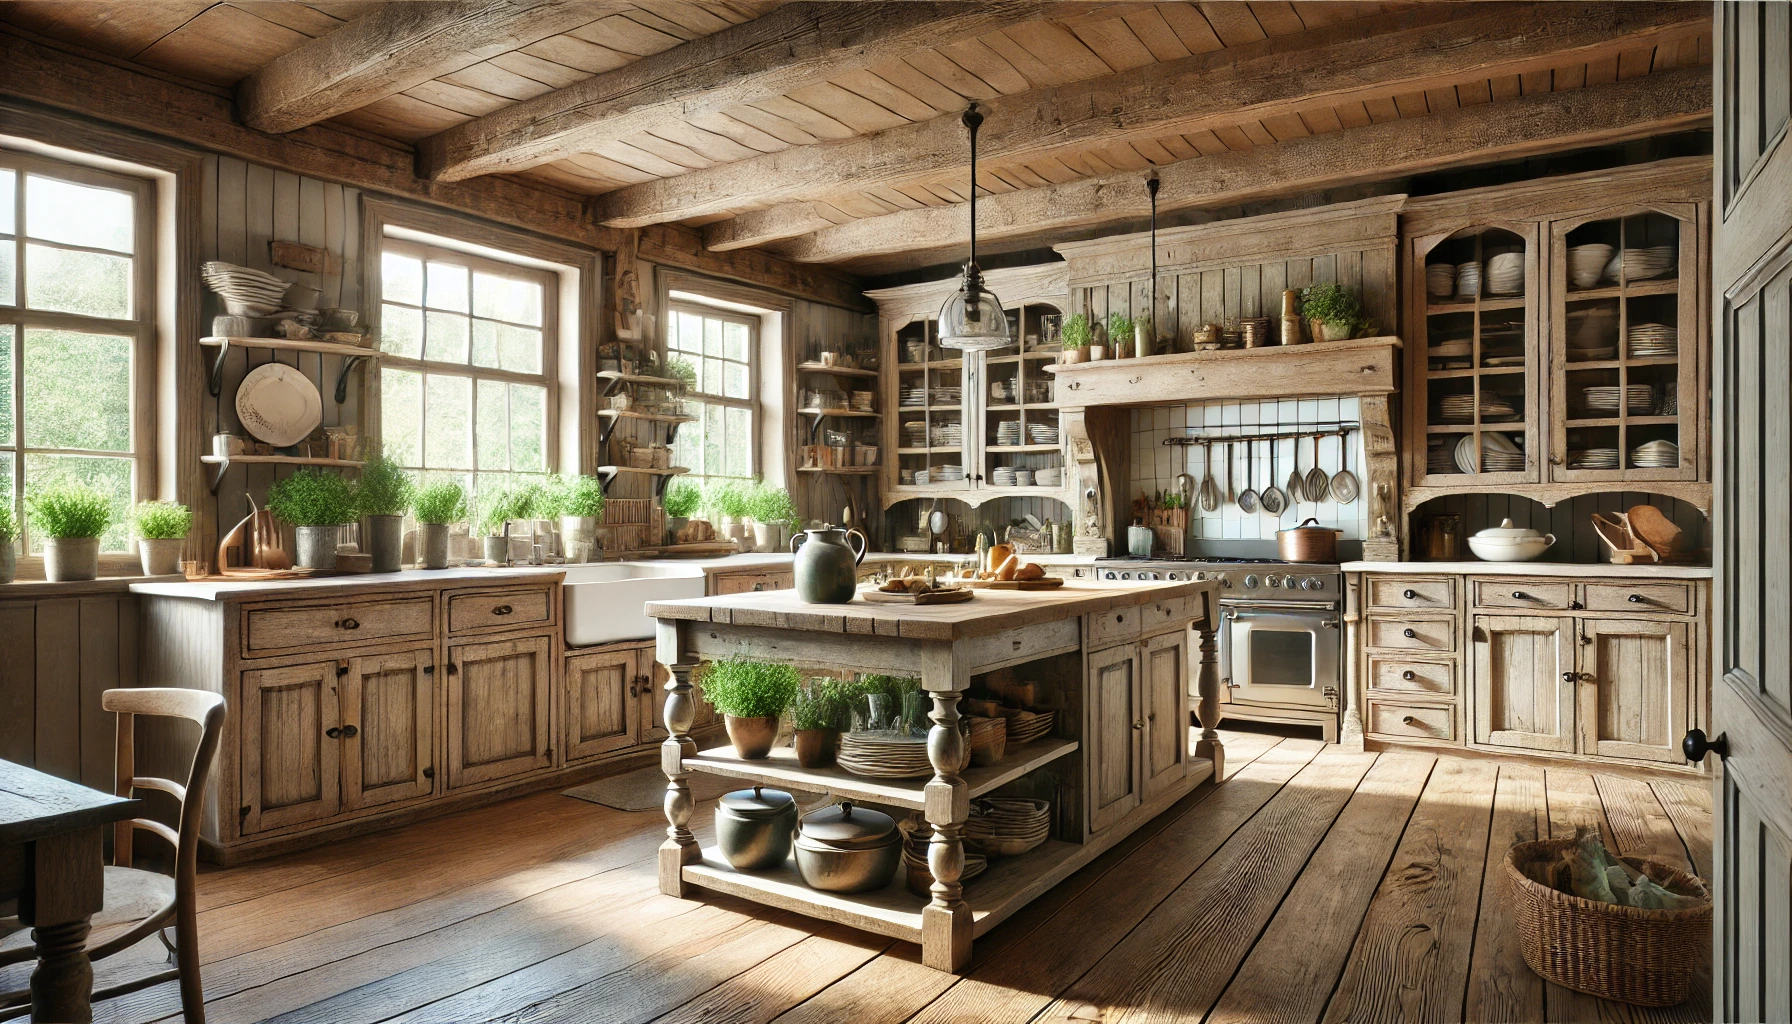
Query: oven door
[1280,654]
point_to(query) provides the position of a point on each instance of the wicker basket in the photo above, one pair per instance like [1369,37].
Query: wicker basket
[1641,957]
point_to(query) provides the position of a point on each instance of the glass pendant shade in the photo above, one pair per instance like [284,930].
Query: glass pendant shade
[972,318]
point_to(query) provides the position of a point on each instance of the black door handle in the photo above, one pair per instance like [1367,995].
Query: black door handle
[1409,634]
[1410,595]
[1695,746]
[429,773]
[333,732]
[1519,595]
[349,732]
[1409,675]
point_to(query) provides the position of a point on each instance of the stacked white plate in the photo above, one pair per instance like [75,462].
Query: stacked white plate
[884,755]
[1468,280]
[947,474]
[1453,349]
[946,435]
[1586,264]
[1653,341]
[1051,477]
[1505,273]
[1638,398]
[914,395]
[947,395]
[1042,433]
[1461,408]
[1440,280]
[1002,476]
[914,434]
[1008,432]
[1440,457]
[1498,454]
[245,290]
[1655,455]
[1641,264]
[1593,458]
[1008,826]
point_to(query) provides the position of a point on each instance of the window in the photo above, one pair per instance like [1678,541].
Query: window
[466,382]
[721,347]
[75,329]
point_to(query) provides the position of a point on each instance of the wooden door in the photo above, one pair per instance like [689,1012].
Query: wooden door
[1751,701]
[603,703]
[388,728]
[291,724]
[1634,688]
[1523,682]
[1163,681]
[498,709]
[1112,730]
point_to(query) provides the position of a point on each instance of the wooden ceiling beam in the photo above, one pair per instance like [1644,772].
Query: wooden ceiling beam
[1410,50]
[84,84]
[397,47]
[795,46]
[1671,101]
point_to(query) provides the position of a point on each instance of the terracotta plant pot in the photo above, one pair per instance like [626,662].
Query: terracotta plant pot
[1325,330]
[71,558]
[753,738]
[1073,355]
[160,557]
[815,747]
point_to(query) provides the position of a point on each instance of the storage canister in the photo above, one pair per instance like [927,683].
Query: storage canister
[843,848]
[753,827]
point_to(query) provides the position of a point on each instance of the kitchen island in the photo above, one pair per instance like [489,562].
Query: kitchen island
[1113,662]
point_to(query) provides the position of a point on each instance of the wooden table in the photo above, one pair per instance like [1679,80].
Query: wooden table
[1115,661]
[52,862]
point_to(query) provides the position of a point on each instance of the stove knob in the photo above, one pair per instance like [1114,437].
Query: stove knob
[1272,581]
[1110,575]
[1126,575]
[1288,581]
[1312,583]
[1225,582]
[1172,576]
[1200,576]
[1250,582]
[1147,575]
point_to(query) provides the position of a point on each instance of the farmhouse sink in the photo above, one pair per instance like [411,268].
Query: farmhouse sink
[604,601]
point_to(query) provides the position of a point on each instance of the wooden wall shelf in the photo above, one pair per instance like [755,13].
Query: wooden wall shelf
[222,463]
[1361,366]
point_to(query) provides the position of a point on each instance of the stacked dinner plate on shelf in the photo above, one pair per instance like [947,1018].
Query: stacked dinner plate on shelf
[861,401]
[1008,432]
[1498,454]
[1505,273]
[946,435]
[1050,477]
[1026,726]
[947,395]
[1440,280]
[1641,264]
[1637,398]
[1655,455]
[1586,264]
[1008,826]
[1002,476]
[1593,458]
[884,755]
[914,433]
[917,835]
[1468,280]
[245,290]
[947,474]
[1042,433]
[914,395]
[1440,456]
[1653,341]
[1454,354]
[1461,408]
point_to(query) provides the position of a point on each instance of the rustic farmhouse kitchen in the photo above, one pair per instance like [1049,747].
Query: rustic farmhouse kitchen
[690,510]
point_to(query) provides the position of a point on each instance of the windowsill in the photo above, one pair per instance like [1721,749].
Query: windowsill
[39,589]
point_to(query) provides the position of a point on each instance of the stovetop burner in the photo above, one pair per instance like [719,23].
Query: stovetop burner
[1262,578]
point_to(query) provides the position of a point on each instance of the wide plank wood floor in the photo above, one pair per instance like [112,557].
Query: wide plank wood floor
[1313,885]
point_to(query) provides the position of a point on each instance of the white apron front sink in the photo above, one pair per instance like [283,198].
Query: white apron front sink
[604,601]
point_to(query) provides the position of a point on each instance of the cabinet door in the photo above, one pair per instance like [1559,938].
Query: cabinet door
[498,709]
[1163,666]
[1634,688]
[388,728]
[1523,682]
[603,703]
[290,723]
[1113,729]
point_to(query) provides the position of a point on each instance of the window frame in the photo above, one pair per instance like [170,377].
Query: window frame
[751,403]
[547,380]
[141,327]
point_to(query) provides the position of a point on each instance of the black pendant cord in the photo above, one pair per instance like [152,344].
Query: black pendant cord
[1151,187]
[973,120]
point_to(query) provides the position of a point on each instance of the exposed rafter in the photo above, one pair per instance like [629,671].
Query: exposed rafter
[397,47]
[1651,105]
[1410,51]
[795,46]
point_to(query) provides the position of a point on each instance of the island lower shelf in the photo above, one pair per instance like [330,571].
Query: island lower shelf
[781,768]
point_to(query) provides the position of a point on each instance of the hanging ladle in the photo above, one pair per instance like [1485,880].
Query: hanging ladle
[1296,489]
[1273,500]
[1210,492]
[1229,498]
[1318,480]
[1247,502]
[1345,487]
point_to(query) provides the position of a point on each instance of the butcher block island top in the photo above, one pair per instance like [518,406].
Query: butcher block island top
[1113,664]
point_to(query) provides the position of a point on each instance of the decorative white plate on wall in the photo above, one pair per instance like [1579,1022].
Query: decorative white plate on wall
[278,404]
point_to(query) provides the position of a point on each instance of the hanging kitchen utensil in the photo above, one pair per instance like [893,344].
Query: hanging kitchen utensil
[1210,492]
[1297,488]
[1318,480]
[1185,486]
[1272,498]
[1247,500]
[1345,487]
[1229,497]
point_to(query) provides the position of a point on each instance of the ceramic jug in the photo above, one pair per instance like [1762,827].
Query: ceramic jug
[827,564]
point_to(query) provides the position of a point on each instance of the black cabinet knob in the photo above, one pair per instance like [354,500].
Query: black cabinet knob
[1567,677]
[1409,634]
[1695,746]
[502,609]
[1575,606]
[349,623]
[1519,595]
[429,773]
[1410,595]
[1408,675]
[1636,599]
[1408,720]
[349,732]
[333,732]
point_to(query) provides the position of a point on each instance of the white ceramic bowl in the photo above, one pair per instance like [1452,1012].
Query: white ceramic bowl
[1499,549]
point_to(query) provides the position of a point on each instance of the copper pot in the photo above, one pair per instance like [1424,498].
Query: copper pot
[815,747]
[1308,542]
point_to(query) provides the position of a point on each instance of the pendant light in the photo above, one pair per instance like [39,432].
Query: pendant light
[972,318]
[1151,187]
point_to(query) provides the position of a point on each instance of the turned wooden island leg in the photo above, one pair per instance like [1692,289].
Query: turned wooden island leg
[680,847]
[946,921]
[1207,690]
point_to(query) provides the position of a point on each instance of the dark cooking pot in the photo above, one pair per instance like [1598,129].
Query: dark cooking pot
[1308,542]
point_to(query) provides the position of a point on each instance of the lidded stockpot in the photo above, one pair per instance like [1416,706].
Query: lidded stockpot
[843,848]
[753,827]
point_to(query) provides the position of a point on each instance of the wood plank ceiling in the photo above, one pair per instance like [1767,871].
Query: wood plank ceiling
[827,132]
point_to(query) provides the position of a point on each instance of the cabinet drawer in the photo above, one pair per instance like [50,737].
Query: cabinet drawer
[1430,678]
[508,609]
[1409,593]
[1413,721]
[1634,598]
[1521,593]
[751,582]
[347,622]
[1118,624]
[1438,635]
[1158,616]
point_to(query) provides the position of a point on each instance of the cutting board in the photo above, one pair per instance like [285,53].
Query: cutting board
[1046,583]
[928,597]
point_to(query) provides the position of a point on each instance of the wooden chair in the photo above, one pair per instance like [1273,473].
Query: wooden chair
[139,902]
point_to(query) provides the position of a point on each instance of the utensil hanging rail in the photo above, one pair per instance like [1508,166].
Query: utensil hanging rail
[1309,430]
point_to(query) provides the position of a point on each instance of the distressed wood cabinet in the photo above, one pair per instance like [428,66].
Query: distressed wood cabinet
[1114,705]
[289,719]
[616,701]
[1524,682]
[388,728]
[498,695]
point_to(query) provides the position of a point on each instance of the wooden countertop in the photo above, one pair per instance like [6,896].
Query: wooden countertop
[1643,572]
[991,611]
[225,589]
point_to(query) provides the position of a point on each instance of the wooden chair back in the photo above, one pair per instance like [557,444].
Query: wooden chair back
[201,707]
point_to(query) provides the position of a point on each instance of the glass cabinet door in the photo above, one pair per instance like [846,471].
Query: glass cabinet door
[930,402]
[1476,360]
[1623,395]
[1021,447]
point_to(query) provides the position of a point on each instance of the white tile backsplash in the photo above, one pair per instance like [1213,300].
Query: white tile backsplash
[1156,465]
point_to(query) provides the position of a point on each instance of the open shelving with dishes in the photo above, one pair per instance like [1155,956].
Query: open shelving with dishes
[653,409]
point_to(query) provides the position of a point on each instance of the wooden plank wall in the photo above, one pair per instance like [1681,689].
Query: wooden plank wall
[244,207]
[57,655]
[1571,521]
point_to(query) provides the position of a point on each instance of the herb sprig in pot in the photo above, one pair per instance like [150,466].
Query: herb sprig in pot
[9,544]
[161,528]
[751,695]
[71,516]
[1333,306]
[437,507]
[385,495]
[579,502]
[317,503]
[819,714]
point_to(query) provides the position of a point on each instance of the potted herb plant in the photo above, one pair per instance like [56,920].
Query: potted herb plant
[1076,335]
[1332,312]
[71,516]
[751,695]
[772,510]
[680,502]
[1121,331]
[385,495]
[498,509]
[9,544]
[727,500]
[161,528]
[817,713]
[437,507]
[318,504]
[579,502]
